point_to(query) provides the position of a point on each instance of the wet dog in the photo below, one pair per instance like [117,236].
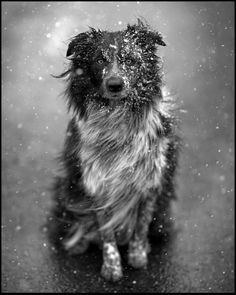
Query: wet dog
[120,152]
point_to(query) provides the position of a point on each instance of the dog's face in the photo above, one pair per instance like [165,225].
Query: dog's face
[116,65]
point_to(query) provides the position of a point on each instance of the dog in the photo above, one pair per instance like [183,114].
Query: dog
[121,147]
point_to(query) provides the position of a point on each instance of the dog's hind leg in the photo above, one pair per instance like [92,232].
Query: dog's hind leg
[111,268]
[138,245]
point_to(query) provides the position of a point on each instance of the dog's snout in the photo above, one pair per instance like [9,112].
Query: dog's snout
[114,84]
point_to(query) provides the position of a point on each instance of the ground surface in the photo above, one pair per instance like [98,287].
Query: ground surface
[200,254]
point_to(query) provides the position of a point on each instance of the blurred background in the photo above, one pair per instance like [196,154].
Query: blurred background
[199,70]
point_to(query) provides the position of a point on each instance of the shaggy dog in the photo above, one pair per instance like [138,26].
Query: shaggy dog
[120,151]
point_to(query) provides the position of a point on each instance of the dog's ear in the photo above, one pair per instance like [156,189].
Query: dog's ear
[71,49]
[79,43]
[151,35]
[144,35]
[157,38]
[149,39]
[94,33]
[76,44]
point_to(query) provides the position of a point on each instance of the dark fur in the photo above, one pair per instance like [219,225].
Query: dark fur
[120,153]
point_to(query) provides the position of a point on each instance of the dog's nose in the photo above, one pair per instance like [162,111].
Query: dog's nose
[114,84]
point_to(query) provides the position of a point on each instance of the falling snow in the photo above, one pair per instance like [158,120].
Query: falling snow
[198,68]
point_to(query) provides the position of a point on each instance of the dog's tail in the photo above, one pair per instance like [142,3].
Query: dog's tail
[71,227]
[80,236]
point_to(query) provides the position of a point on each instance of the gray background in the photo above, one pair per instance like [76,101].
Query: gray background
[199,67]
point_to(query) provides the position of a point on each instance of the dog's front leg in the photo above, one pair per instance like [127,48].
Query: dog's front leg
[139,246]
[111,268]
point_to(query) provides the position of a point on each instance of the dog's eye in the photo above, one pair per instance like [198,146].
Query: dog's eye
[129,61]
[100,61]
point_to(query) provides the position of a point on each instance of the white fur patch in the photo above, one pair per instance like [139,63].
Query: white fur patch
[111,250]
[121,164]
[100,177]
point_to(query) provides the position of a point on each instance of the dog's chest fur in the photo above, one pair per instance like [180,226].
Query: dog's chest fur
[122,157]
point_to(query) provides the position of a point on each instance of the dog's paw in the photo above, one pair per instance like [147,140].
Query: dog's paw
[111,272]
[137,256]
[138,259]
[111,268]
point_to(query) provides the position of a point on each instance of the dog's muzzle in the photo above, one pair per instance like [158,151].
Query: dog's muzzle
[114,85]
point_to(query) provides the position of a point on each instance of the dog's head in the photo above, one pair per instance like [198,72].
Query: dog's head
[120,65]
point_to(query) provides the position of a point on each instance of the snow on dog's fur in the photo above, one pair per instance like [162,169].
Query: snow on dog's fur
[121,148]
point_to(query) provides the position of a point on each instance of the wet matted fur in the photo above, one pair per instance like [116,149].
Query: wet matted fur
[121,147]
